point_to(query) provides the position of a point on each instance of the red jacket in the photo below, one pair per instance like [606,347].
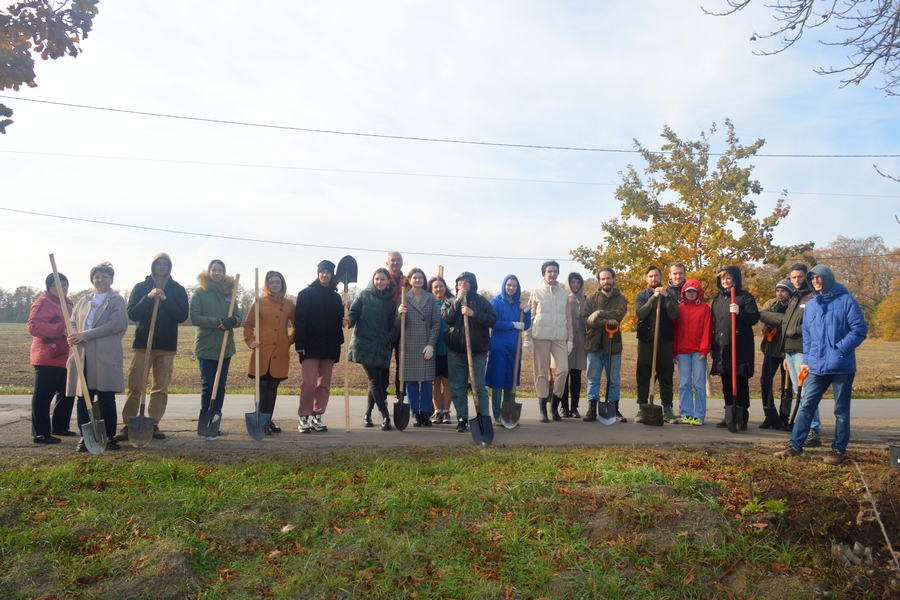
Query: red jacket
[694,325]
[49,347]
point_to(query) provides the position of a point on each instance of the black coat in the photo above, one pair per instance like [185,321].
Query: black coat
[746,319]
[372,317]
[479,324]
[173,311]
[318,329]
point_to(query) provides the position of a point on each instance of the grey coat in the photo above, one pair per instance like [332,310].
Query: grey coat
[101,353]
[578,355]
[423,324]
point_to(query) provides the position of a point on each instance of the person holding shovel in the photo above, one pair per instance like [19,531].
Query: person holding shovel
[99,322]
[578,356]
[645,307]
[318,336]
[772,316]
[49,354]
[502,372]
[438,288]
[423,324]
[173,310]
[737,406]
[603,312]
[276,324]
[691,345]
[209,314]
[482,317]
[394,264]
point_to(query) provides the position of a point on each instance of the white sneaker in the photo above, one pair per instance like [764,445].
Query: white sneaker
[304,426]
[318,424]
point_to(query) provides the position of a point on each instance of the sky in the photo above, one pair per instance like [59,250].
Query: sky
[571,74]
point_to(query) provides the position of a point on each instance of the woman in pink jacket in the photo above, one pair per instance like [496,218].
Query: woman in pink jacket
[49,353]
[692,344]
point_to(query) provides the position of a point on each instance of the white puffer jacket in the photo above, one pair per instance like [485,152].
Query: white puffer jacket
[550,315]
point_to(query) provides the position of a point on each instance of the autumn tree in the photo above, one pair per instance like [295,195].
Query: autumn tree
[684,209]
[887,315]
[50,28]
[868,28]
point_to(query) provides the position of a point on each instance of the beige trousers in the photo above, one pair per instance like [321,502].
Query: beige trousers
[161,372]
[542,352]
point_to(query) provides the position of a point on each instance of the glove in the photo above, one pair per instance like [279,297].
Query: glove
[229,323]
[527,346]
[569,346]
[519,325]
[428,352]
[402,309]
[612,323]
[734,309]
[524,305]
[302,354]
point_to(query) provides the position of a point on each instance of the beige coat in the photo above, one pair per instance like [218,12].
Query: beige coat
[550,315]
[275,313]
[101,353]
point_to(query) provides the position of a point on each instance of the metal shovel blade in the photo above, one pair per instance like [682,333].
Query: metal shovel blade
[257,424]
[606,412]
[482,430]
[401,415]
[346,271]
[140,429]
[208,423]
[94,435]
[510,413]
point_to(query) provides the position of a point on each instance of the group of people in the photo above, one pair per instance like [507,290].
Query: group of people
[454,340]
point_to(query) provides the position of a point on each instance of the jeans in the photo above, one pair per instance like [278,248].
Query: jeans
[459,382]
[596,364]
[815,387]
[692,389]
[208,378]
[420,394]
[794,362]
[50,382]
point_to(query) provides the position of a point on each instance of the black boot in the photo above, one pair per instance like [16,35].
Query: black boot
[554,408]
[417,418]
[730,419]
[591,411]
[386,422]
[426,419]
[543,418]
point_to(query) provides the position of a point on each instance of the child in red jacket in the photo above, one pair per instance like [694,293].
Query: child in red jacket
[692,344]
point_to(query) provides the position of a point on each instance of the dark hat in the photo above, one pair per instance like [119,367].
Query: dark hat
[50,283]
[785,284]
[326,265]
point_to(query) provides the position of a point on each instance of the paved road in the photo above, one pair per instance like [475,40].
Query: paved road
[875,423]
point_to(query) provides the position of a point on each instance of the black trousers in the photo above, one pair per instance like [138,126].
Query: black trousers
[50,383]
[573,385]
[377,393]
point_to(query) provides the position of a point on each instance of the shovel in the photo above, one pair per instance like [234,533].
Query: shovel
[401,408]
[481,426]
[511,412]
[140,428]
[209,420]
[652,414]
[93,433]
[731,412]
[772,418]
[801,377]
[346,274]
[257,423]
[606,410]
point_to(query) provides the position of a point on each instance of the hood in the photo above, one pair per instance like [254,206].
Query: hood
[473,282]
[694,283]
[827,279]
[266,291]
[206,284]
[518,294]
[735,275]
[386,293]
[161,281]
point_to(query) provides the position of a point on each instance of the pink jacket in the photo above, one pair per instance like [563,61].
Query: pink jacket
[49,347]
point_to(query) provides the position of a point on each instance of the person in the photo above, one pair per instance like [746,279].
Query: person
[645,308]
[372,318]
[318,335]
[481,318]
[772,316]
[577,357]
[737,407]
[423,323]
[792,346]
[394,264]
[677,273]
[173,310]
[49,354]
[833,327]
[209,315]
[438,288]
[503,374]
[605,308]
[276,324]
[99,324]
[691,345]
[549,338]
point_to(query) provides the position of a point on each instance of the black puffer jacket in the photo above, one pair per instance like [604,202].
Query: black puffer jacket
[747,317]
[319,332]
[172,312]
[479,325]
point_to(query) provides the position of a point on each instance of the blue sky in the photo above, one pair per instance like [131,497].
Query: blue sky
[577,74]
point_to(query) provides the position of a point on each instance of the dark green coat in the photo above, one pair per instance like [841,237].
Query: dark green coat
[372,318]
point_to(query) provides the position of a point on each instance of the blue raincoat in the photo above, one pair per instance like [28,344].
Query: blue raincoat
[499,373]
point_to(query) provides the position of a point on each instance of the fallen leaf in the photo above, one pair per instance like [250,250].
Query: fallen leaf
[287,528]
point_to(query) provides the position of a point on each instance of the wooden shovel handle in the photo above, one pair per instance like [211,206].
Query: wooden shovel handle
[402,383]
[469,356]
[79,367]
[517,368]
[146,370]
[655,348]
[215,388]
[256,325]
[733,347]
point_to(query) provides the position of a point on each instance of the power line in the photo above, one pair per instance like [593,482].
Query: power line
[411,138]
[392,173]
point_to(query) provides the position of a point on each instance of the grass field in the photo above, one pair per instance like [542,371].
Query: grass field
[878,374]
